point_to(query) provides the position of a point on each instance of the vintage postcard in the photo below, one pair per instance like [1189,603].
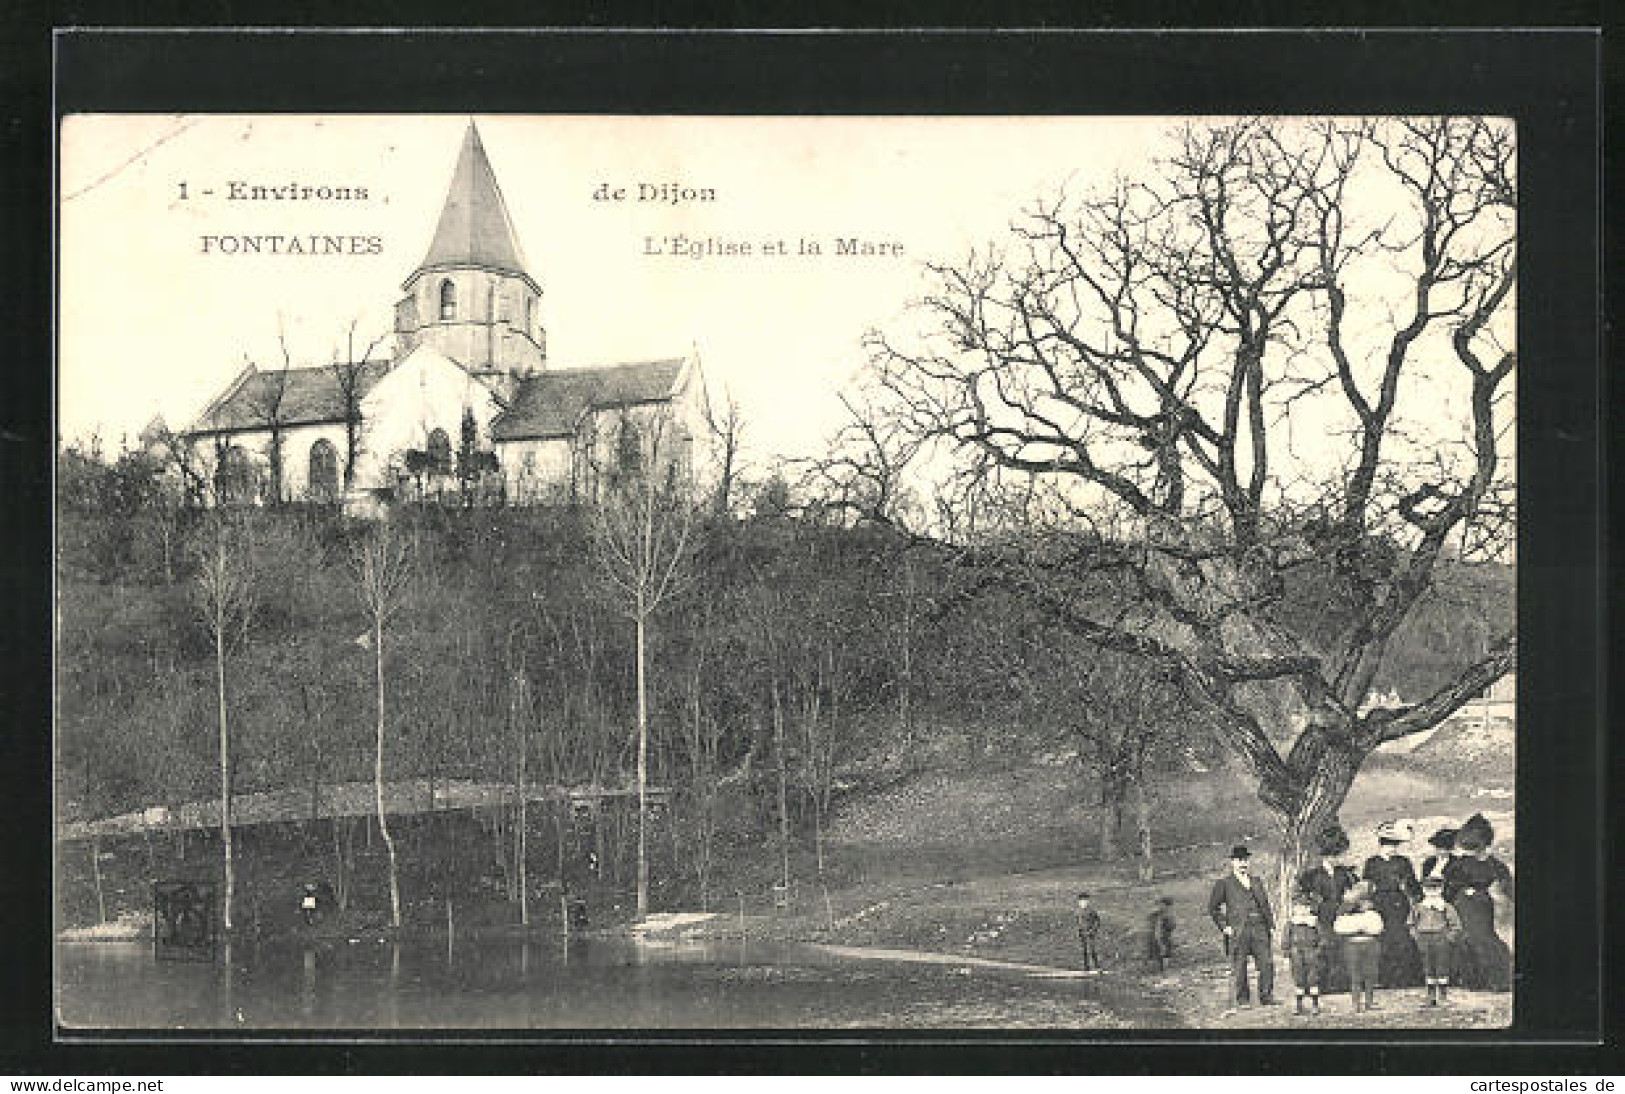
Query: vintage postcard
[562,572]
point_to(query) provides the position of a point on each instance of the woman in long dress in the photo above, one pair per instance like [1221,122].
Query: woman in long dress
[1394,889]
[1482,959]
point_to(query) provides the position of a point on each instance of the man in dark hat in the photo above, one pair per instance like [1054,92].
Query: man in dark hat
[1241,909]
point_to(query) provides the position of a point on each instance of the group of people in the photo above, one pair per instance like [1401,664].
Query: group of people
[1385,927]
[1159,933]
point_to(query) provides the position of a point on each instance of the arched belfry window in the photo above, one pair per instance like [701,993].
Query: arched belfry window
[440,452]
[448,300]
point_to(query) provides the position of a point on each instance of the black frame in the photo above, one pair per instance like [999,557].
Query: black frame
[1549,81]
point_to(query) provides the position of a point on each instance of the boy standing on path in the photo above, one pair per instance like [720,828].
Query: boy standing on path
[1435,925]
[1304,946]
[1241,910]
[1088,933]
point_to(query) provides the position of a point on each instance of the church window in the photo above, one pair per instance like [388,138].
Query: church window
[629,450]
[530,314]
[324,471]
[448,300]
[439,452]
[235,476]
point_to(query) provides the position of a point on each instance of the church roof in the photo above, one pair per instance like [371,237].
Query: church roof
[474,228]
[550,404]
[308,396]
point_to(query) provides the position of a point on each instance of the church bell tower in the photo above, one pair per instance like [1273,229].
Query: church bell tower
[471,297]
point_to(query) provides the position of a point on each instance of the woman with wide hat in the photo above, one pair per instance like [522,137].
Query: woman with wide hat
[1443,843]
[1394,889]
[1482,960]
[1325,885]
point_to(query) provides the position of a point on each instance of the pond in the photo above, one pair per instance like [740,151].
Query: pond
[599,983]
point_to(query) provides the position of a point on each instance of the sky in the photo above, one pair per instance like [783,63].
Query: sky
[150,324]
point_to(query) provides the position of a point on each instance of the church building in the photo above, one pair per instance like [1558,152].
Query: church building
[466,405]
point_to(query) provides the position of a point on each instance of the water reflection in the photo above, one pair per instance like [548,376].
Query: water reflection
[544,983]
[307,986]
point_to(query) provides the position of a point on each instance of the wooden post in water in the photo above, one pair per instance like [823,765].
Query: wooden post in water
[450,930]
[741,894]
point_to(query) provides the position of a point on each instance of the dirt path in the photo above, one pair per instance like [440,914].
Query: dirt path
[923,957]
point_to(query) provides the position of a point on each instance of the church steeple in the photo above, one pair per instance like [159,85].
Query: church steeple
[471,296]
[474,228]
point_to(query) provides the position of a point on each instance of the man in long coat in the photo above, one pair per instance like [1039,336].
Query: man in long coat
[1241,909]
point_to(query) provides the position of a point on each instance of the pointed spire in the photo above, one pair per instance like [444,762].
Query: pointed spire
[474,228]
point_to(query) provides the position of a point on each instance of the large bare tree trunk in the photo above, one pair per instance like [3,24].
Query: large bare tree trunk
[1307,806]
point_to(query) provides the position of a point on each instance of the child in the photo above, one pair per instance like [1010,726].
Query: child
[1088,933]
[1359,925]
[1305,947]
[1159,941]
[1436,926]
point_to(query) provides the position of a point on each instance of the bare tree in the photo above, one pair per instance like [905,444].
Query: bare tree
[381,567]
[521,715]
[1120,712]
[643,532]
[267,403]
[703,738]
[1209,365]
[820,687]
[726,425]
[223,590]
[349,382]
[178,454]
